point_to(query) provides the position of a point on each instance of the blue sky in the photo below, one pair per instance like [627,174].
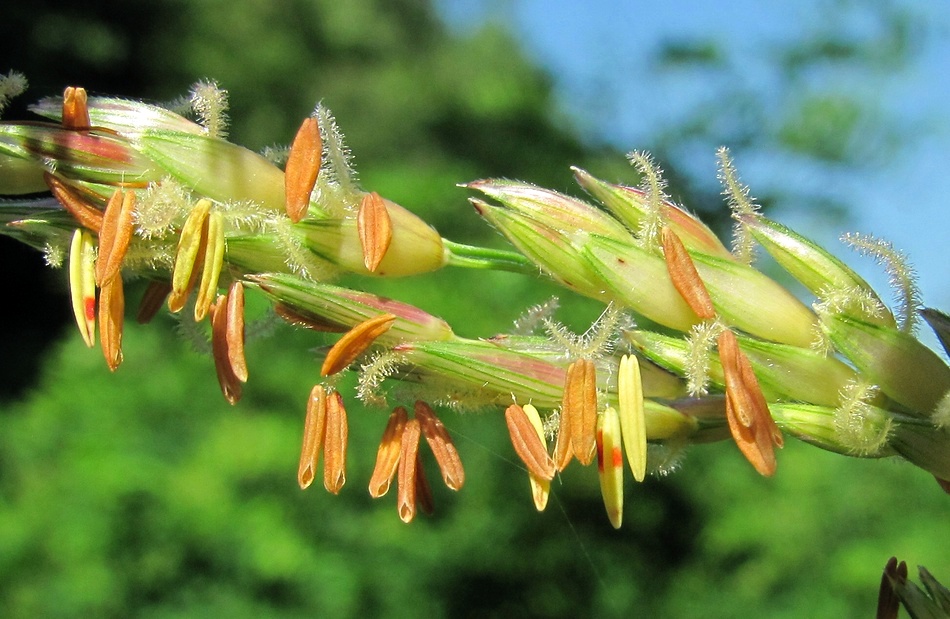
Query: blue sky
[598,51]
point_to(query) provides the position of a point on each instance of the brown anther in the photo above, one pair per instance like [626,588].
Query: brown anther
[234,332]
[313,431]
[76,201]
[446,455]
[528,444]
[75,110]
[115,235]
[230,385]
[152,301]
[747,412]
[406,477]
[301,318]
[579,406]
[375,229]
[563,451]
[888,602]
[334,444]
[355,342]
[302,169]
[111,317]
[423,489]
[387,456]
[685,277]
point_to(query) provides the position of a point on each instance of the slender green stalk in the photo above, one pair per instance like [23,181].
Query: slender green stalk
[474,257]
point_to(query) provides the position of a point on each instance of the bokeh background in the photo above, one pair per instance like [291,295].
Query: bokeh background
[144,494]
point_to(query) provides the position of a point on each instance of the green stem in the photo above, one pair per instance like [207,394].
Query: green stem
[473,257]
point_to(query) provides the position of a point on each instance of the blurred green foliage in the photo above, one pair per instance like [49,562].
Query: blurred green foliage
[144,494]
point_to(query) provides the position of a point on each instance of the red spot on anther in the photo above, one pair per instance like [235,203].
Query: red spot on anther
[617,456]
[90,308]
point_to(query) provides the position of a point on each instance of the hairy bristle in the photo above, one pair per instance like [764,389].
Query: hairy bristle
[901,274]
[599,340]
[858,426]
[740,202]
[653,186]
[210,103]
[701,339]
[337,186]
[533,318]
[11,85]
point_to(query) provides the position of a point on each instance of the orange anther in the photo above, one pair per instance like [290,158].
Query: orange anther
[387,456]
[355,342]
[334,444]
[114,235]
[408,463]
[528,445]
[76,202]
[685,277]
[446,455]
[579,407]
[75,110]
[747,412]
[375,229]
[111,317]
[313,433]
[302,169]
